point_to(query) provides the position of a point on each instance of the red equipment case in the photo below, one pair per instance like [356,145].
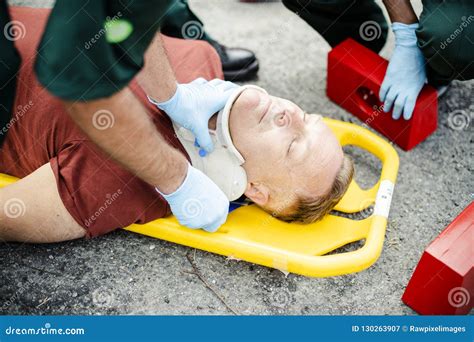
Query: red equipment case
[355,75]
[443,281]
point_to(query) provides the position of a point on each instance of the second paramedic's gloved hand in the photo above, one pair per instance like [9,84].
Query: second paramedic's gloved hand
[194,103]
[198,202]
[406,73]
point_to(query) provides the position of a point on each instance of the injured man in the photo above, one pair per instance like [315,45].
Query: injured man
[268,149]
[284,160]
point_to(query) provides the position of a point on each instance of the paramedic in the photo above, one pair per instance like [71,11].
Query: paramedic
[438,48]
[88,54]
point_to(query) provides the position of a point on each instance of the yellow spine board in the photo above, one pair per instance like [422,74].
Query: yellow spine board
[255,236]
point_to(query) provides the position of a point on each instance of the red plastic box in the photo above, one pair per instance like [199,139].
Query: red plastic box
[355,75]
[443,281]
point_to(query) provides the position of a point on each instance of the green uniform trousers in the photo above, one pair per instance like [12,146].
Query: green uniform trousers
[181,22]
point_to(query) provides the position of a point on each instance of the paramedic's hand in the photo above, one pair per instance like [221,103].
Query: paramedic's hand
[406,73]
[198,202]
[194,103]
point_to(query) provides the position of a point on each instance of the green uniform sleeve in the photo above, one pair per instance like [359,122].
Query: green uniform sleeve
[92,49]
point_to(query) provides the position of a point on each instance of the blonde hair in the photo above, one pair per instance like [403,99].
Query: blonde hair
[309,210]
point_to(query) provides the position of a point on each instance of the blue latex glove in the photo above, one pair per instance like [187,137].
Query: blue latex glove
[198,202]
[406,73]
[194,103]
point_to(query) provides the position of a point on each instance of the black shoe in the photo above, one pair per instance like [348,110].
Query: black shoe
[238,64]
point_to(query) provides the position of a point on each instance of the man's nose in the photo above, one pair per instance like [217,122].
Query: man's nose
[297,119]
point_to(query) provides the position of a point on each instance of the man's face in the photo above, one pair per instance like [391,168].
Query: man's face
[287,152]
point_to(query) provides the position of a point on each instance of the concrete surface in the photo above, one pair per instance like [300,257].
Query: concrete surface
[125,273]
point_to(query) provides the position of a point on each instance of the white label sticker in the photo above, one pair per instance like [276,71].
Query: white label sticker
[383,199]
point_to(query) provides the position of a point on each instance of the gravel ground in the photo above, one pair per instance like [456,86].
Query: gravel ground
[125,273]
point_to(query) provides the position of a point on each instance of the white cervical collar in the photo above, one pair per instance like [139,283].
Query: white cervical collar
[224,165]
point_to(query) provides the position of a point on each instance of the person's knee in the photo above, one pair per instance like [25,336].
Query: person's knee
[432,40]
[337,20]
[204,62]
[442,47]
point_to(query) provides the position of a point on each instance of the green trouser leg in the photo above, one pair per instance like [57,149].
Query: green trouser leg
[181,22]
[336,20]
[446,38]
[9,65]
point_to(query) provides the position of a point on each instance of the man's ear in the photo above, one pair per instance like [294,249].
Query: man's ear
[258,193]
